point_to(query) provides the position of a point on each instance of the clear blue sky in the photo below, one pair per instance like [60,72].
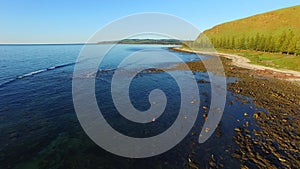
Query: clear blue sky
[61,21]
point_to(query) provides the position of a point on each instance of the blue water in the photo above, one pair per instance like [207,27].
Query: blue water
[39,127]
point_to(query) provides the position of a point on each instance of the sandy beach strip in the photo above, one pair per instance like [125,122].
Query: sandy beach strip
[245,63]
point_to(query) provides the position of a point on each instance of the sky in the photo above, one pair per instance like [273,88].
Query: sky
[66,21]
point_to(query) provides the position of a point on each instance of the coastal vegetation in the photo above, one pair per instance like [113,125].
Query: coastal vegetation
[270,39]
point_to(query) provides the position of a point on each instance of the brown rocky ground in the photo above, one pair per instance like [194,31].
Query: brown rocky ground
[277,142]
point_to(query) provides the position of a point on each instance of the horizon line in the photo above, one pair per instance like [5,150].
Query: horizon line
[46,43]
[77,43]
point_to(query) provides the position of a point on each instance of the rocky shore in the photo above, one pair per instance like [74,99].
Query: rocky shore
[277,142]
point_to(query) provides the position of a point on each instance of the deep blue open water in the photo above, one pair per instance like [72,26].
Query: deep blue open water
[39,127]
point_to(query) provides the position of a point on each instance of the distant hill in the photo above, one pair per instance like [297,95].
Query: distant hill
[275,31]
[145,41]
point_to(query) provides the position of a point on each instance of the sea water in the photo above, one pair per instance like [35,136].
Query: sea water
[39,127]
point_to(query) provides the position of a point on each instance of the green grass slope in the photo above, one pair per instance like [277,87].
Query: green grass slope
[271,39]
[270,23]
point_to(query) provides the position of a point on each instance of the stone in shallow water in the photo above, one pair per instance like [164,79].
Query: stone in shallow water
[237,129]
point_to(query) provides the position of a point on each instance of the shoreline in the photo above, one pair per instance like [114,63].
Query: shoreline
[243,62]
[281,125]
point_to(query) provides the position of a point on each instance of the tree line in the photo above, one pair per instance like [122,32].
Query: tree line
[287,43]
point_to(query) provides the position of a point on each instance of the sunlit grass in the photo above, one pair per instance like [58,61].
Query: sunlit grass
[275,60]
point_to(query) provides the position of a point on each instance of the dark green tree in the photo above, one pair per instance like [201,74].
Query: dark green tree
[233,46]
[281,44]
[242,43]
[257,41]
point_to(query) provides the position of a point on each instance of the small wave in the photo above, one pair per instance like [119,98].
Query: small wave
[7,82]
[99,72]
[44,70]
[31,73]
[107,70]
[34,73]
[64,65]
[51,68]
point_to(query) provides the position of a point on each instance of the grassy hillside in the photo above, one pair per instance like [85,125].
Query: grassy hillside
[276,31]
[270,23]
[270,39]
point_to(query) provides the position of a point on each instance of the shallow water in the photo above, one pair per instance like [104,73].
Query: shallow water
[39,127]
